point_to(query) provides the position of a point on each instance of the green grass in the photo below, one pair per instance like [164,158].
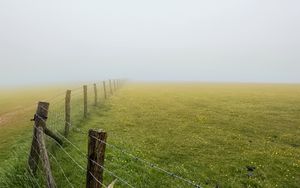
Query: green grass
[17,107]
[204,132]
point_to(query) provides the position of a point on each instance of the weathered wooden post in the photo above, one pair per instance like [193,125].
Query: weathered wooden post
[96,154]
[67,112]
[42,111]
[96,94]
[38,147]
[45,158]
[104,90]
[85,101]
[110,87]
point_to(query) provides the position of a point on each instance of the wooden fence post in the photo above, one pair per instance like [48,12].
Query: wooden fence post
[104,90]
[96,94]
[67,112]
[45,158]
[85,101]
[38,147]
[110,87]
[42,111]
[96,154]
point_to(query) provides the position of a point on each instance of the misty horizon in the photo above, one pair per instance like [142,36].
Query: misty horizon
[168,41]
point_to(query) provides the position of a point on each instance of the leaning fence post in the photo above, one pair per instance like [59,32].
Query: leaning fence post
[38,147]
[42,111]
[96,94]
[85,101]
[104,90]
[45,158]
[67,112]
[96,154]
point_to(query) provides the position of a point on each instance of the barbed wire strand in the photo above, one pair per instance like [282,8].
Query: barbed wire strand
[61,94]
[152,165]
[28,173]
[110,172]
[37,165]
[31,174]
[83,169]
[134,158]
[62,170]
[55,161]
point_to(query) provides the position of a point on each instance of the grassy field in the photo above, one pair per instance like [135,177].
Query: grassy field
[17,107]
[208,133]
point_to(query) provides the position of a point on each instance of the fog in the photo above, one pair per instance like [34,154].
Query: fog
[160,40]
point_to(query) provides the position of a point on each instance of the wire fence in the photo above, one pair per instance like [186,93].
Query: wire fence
[122,167]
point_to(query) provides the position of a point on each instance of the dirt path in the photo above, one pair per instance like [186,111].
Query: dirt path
[9,116]
[4,118]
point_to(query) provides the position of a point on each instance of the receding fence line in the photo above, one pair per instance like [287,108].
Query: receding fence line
[39,150]
[96,143]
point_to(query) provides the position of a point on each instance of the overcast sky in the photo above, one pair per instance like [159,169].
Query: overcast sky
[197,40]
